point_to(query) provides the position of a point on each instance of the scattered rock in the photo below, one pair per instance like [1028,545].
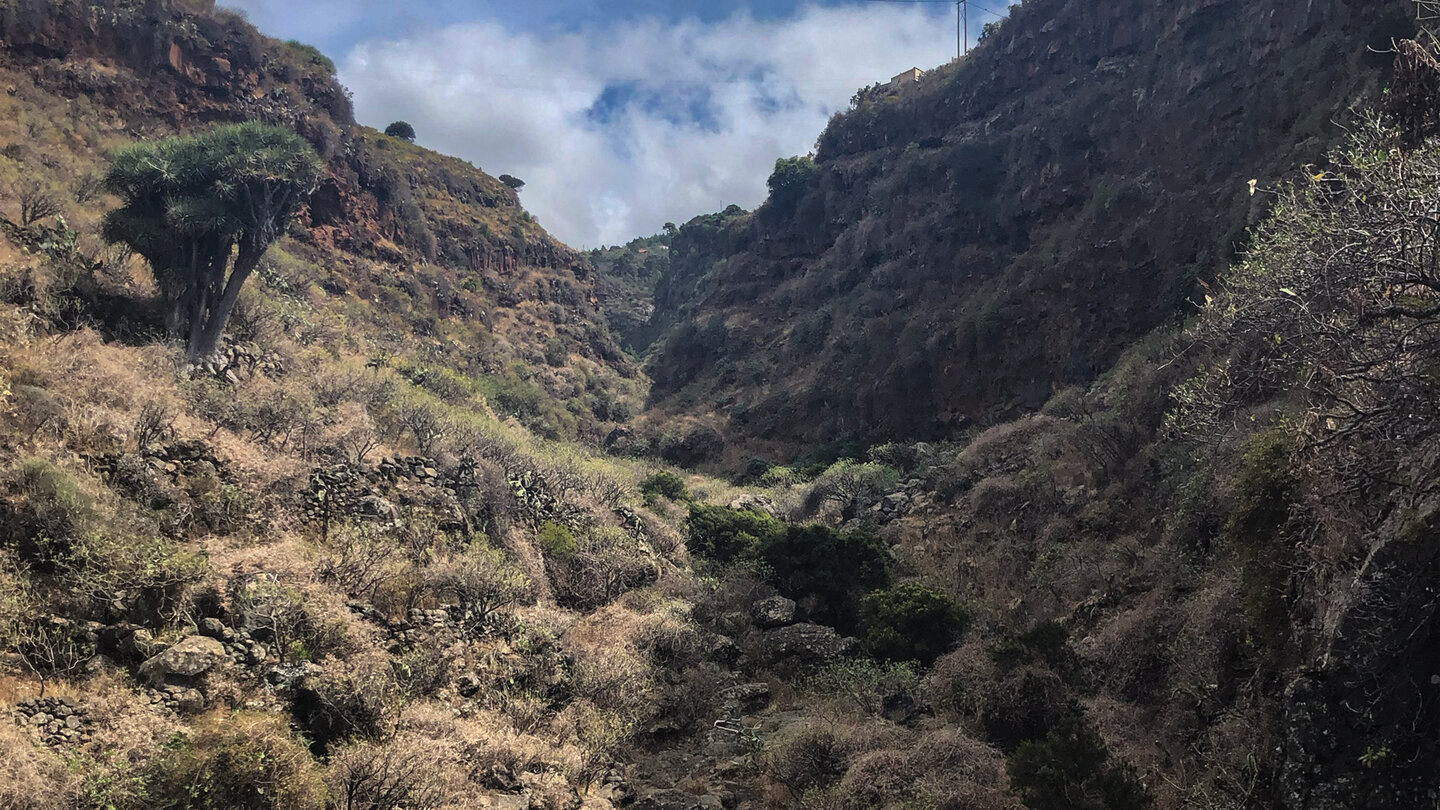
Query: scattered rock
[810,643]
[216,629]
[724,651]
[58,720]
[777,611]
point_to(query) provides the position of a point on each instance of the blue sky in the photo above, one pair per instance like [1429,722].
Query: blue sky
[619,116]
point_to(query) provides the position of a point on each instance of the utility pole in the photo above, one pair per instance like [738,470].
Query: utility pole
[962,28]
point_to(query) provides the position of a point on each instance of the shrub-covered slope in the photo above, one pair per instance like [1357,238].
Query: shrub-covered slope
[964,245]
[348,565]
[423,257]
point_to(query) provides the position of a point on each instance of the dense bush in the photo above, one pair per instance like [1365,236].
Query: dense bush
[851,485]
[248,761]
[725,535]
[1266,490]
[911,622]
[133,576]
[1047,640]
[664,484]
[789,181]
[556,540]
[482,581]
[402,130]
[828,569]
[338,705]
[50,514]
[868,686]
[1070,769]
[605,563]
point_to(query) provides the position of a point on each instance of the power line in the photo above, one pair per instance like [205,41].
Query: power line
[962,20]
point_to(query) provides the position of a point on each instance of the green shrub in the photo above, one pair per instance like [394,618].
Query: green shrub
[1047,639]
[850,484]
[911,622]
[725,535]
[52,513]
[402,130]
[555,352]
[246,761]
[664,484]
[556,540]
[16,600]
[142,577]
[871,686]
[1070,769]
[789,181]
[829,569]
[1265,492]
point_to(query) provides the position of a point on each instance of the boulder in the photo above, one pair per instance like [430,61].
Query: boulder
[747,698]
[193,656]
[189,701]
[142,644]
[723,650]
[216,629]
[810,643]
[751,502]
[777,611]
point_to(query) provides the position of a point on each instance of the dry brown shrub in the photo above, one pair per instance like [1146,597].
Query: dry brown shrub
[407,772]
[359,697]
[958,681]
[241,761]
[1208,643]
[808,757]
[1006,448]
[998,498]
[31,776]
[944,768]
[494,752]
[359,558]
[123,722]
[1132,647]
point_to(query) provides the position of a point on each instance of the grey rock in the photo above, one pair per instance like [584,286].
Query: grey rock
[193,656]
[190,701]
[756,503]
[139,645]
[777,611]
[723,650]
[811,643]
[216,629]
[747,698]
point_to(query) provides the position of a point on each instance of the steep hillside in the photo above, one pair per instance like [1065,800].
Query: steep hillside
[966,244]
[369,558]
[437,257]
[627,275]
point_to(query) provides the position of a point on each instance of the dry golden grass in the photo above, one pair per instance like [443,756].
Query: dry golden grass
[32,777]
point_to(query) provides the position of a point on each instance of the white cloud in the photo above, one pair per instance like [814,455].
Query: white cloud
[517,103]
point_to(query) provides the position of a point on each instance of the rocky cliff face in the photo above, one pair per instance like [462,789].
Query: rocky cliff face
[1008,224]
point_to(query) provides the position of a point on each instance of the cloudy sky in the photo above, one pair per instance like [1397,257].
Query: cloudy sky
[620,116]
